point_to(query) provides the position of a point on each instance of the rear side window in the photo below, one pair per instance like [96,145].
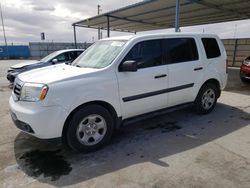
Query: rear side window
[177,50]
[146,53]
[211,47]
[71,56]
[62,57]
[78,53]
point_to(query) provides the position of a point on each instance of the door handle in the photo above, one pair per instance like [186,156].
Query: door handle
[160,76]
[198,68]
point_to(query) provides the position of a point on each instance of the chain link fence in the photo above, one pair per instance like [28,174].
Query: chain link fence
[237,50]
[39,50]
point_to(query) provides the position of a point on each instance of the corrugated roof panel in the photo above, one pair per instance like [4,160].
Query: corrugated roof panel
[159,14]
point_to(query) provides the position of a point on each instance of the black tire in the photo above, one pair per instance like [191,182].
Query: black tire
[244,80]
[86,111]
[200,108]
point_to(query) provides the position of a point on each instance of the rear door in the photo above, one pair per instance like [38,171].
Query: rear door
[144,91]
[185,69]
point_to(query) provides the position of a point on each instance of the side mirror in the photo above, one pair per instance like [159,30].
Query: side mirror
[54,61]
[128,66]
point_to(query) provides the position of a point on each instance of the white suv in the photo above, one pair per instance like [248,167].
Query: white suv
[117,79]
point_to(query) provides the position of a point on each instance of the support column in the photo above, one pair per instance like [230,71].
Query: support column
[108,29]
[177,16]
[235,51]
[74,28]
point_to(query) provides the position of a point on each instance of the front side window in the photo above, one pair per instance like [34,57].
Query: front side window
[146,54]
[178,50]
[211,47]
[100,54]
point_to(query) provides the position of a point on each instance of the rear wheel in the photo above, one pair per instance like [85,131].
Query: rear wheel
[206,99]
[90,128]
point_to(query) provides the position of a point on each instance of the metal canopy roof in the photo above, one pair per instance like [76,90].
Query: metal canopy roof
[160,14]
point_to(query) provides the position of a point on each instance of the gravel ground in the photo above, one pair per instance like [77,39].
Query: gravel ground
[178,149]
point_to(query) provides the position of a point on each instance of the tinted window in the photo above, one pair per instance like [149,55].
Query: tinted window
[62,57]
[146,53]
[72,56]
[211,47]
[177,50]
[78,53]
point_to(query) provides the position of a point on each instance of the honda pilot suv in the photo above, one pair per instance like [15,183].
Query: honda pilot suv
[117,79]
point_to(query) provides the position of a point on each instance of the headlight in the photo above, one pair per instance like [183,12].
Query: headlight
[33,92]
[246,62]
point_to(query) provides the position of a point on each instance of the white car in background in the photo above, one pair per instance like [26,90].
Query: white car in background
[60,56]
[117,79]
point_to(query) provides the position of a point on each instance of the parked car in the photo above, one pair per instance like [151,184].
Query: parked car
[61,56]
[117,79]
[245,70]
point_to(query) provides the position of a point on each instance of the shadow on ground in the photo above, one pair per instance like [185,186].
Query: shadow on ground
[146,141]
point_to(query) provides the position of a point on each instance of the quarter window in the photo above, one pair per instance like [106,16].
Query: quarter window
[177,50]
[146,54]
[211,47]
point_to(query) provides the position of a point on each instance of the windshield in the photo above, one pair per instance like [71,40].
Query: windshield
[50,56]
[100,54]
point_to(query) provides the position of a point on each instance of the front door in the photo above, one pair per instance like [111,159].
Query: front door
[143,91]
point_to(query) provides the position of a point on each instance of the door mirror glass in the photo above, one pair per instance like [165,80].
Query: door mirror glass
[54,61]
[128,66]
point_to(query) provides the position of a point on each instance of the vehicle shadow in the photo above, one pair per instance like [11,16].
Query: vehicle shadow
[145,141]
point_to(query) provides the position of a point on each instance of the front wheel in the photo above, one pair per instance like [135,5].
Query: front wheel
[206,99]
[244,80]
[90,128]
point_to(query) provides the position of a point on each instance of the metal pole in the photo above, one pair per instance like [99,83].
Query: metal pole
[5,40]
[99,31]
[108,29]
[177,16]
[4,35]
[74,27]
[235,51]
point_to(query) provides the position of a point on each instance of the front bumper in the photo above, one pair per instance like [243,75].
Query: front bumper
[45,122]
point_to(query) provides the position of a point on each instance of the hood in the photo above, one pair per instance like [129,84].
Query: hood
[54,73]
[21,65]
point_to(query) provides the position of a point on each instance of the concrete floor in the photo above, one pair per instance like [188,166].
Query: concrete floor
[179,149]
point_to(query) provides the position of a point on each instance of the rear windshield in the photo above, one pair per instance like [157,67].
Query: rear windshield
[211,47]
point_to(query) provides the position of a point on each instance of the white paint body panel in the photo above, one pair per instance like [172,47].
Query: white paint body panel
[70,87]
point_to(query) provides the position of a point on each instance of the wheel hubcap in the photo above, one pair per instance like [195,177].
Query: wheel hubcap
[91,129]
[208,99]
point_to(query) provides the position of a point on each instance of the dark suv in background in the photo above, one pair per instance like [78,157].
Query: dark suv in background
[61,56]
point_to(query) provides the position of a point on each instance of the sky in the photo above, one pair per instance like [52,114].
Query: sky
[24,20]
